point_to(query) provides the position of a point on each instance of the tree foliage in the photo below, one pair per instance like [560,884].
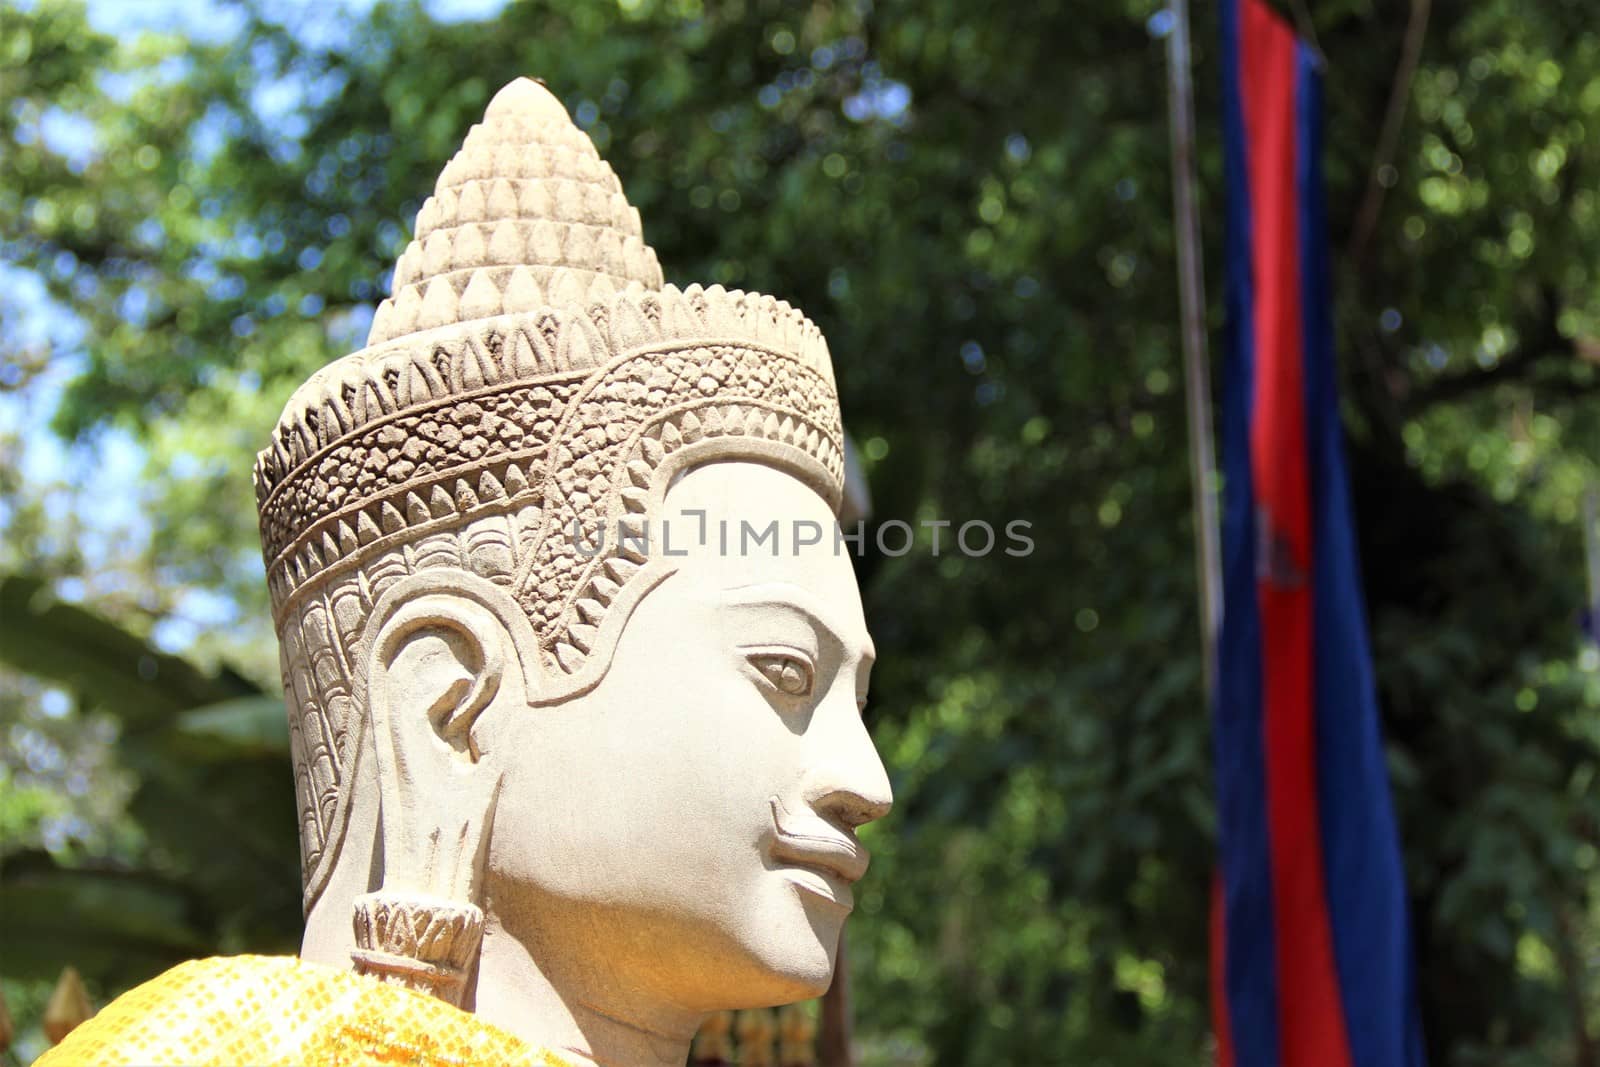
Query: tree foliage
[974,205]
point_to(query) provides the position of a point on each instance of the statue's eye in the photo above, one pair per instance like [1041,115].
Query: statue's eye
[789,675]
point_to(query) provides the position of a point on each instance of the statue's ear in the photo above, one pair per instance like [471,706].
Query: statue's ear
[441,659]
[441,653]
[446,642]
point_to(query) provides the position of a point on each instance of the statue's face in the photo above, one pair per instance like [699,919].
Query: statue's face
[687,828]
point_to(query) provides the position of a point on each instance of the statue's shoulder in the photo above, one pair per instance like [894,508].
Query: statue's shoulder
[283,1010]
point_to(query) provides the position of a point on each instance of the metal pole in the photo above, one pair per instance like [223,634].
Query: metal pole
[834,1037]
[1192,310]
[1591,552]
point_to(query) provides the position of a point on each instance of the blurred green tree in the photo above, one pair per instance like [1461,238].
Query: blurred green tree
[974,204]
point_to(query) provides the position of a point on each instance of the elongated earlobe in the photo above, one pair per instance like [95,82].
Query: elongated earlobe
[437,664]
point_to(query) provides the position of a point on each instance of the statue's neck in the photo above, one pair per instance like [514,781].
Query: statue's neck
[555,996]
[571,1013]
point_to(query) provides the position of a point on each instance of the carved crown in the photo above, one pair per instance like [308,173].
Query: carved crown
[530,367]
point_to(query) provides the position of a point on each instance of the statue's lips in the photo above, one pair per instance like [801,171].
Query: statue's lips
[825,850]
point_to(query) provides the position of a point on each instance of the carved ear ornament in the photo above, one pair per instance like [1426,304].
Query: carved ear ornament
[416,941]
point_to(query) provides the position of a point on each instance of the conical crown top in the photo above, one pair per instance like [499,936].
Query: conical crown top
[527,214]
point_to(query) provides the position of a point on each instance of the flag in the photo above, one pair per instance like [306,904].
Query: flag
[1312,950]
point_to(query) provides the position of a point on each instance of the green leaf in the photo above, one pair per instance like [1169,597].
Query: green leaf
[58,641]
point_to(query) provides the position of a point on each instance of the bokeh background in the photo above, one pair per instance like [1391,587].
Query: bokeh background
[201,203]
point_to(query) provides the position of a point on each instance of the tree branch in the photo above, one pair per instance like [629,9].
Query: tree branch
[1389,137]
[1540,339]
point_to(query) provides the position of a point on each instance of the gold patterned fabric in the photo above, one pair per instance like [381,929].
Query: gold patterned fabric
[279,1010]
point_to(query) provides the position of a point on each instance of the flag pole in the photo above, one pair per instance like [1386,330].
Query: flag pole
[1192,311]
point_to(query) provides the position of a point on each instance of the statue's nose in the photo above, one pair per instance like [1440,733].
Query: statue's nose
[847,783]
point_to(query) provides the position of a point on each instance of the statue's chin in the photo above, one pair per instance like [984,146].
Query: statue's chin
[796,944]
[804,972]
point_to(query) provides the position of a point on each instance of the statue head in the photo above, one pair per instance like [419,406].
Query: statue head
[568,642]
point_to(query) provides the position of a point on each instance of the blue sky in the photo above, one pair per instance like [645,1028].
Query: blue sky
[209,20]
[107,469]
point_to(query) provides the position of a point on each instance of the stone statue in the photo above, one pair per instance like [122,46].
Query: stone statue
[572,655]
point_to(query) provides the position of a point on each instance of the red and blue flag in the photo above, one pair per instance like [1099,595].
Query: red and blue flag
[1312,958]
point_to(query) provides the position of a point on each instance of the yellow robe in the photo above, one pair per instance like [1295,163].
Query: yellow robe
[278,1010]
